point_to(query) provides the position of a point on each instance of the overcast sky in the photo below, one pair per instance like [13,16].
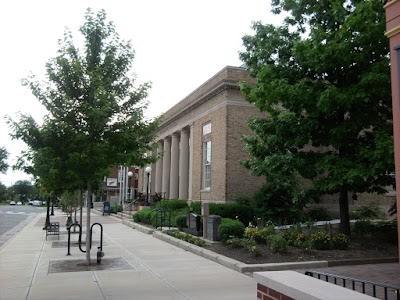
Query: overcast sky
[179,44]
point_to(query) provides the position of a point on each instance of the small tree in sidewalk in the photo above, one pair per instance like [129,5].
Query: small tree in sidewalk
[95,114]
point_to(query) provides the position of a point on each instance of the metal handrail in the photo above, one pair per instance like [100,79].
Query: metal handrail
[353,281]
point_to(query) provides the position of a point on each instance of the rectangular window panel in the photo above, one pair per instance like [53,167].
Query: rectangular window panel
[207,128]
[207,165]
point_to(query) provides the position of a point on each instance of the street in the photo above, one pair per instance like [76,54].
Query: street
[13,218]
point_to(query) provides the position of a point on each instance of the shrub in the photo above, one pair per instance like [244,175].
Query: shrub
[230,228]
[144,216]
[295,238]
[319,214]
[320,240]
[366,212]
[385,230]
[195,207]
[247,243]
[277,243]
[181,221]
[243,213]
[363,228]
[340,241]
[115,208]
[259,235]
[172,205]
[235,242]
[187,238]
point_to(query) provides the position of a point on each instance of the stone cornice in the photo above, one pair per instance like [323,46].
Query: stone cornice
[390,3]
[221,81]
[392,32]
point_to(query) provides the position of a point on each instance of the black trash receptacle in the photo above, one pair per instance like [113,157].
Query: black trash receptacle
[106,207]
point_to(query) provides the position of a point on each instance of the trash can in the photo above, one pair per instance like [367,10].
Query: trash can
[106,207]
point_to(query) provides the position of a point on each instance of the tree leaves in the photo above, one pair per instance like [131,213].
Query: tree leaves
[95,114]
[323,77]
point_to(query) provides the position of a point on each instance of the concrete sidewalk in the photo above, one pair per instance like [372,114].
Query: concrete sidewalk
[148,267]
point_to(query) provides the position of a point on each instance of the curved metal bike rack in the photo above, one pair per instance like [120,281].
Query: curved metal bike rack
[80,239]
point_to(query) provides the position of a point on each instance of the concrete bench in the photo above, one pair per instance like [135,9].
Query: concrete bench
[53,229]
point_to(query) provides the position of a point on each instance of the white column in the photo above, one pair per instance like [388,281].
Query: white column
[159,170]
[166,167]
[184,165]
[174,175]
[191,163]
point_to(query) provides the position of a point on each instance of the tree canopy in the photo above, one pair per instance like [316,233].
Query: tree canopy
[95,113]
[323,78]
[3,160]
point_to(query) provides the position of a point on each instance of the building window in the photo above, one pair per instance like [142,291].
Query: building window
[206,128]
[207,165]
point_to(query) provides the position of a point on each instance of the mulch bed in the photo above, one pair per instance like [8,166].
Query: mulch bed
[359,249]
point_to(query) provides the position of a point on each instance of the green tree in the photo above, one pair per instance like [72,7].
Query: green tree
[3,160]
[95,114]
[23,189]
[323,78]
[3,192]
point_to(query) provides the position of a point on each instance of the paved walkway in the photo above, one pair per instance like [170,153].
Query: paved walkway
[136,266]
[152,269]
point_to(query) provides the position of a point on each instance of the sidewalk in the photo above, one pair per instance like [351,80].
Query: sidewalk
[147,268]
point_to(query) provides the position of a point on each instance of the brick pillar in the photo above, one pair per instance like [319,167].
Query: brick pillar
[166,167]
[174,175]
[184,165]
[393,33]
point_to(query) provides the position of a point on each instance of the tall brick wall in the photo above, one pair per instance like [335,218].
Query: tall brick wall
[218,156]
[239,179]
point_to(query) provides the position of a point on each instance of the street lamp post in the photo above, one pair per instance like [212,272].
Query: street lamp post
[147,171]
[130,174]
[52,206]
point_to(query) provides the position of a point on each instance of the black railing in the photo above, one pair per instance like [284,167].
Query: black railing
[163,218]
[377,290]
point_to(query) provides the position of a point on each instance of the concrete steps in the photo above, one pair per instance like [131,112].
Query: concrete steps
[125,215]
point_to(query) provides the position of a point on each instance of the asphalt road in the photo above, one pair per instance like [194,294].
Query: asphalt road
[14,217]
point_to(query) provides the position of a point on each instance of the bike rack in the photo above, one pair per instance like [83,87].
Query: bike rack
[100,253]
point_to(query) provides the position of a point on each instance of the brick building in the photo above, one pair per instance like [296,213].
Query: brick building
[115,186]
[200,138]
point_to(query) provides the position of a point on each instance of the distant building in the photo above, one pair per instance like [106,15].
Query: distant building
[115,186]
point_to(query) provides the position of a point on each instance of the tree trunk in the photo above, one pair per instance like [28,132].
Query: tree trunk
[344,211]
[88,233]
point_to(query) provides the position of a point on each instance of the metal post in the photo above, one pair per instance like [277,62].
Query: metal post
[52,206]
[147,193]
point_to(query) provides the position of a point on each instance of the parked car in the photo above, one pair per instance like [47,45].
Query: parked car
[19,203]
[12,202]
[30,202]
[37,202]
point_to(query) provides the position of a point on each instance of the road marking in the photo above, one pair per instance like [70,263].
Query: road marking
[18,213]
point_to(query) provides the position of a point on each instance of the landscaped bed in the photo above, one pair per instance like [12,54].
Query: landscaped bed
[358,249]
[296,243]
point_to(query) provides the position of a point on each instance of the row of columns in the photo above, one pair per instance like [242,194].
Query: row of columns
[173,168]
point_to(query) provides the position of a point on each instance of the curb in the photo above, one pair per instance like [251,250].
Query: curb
[235,264]
[251,268]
